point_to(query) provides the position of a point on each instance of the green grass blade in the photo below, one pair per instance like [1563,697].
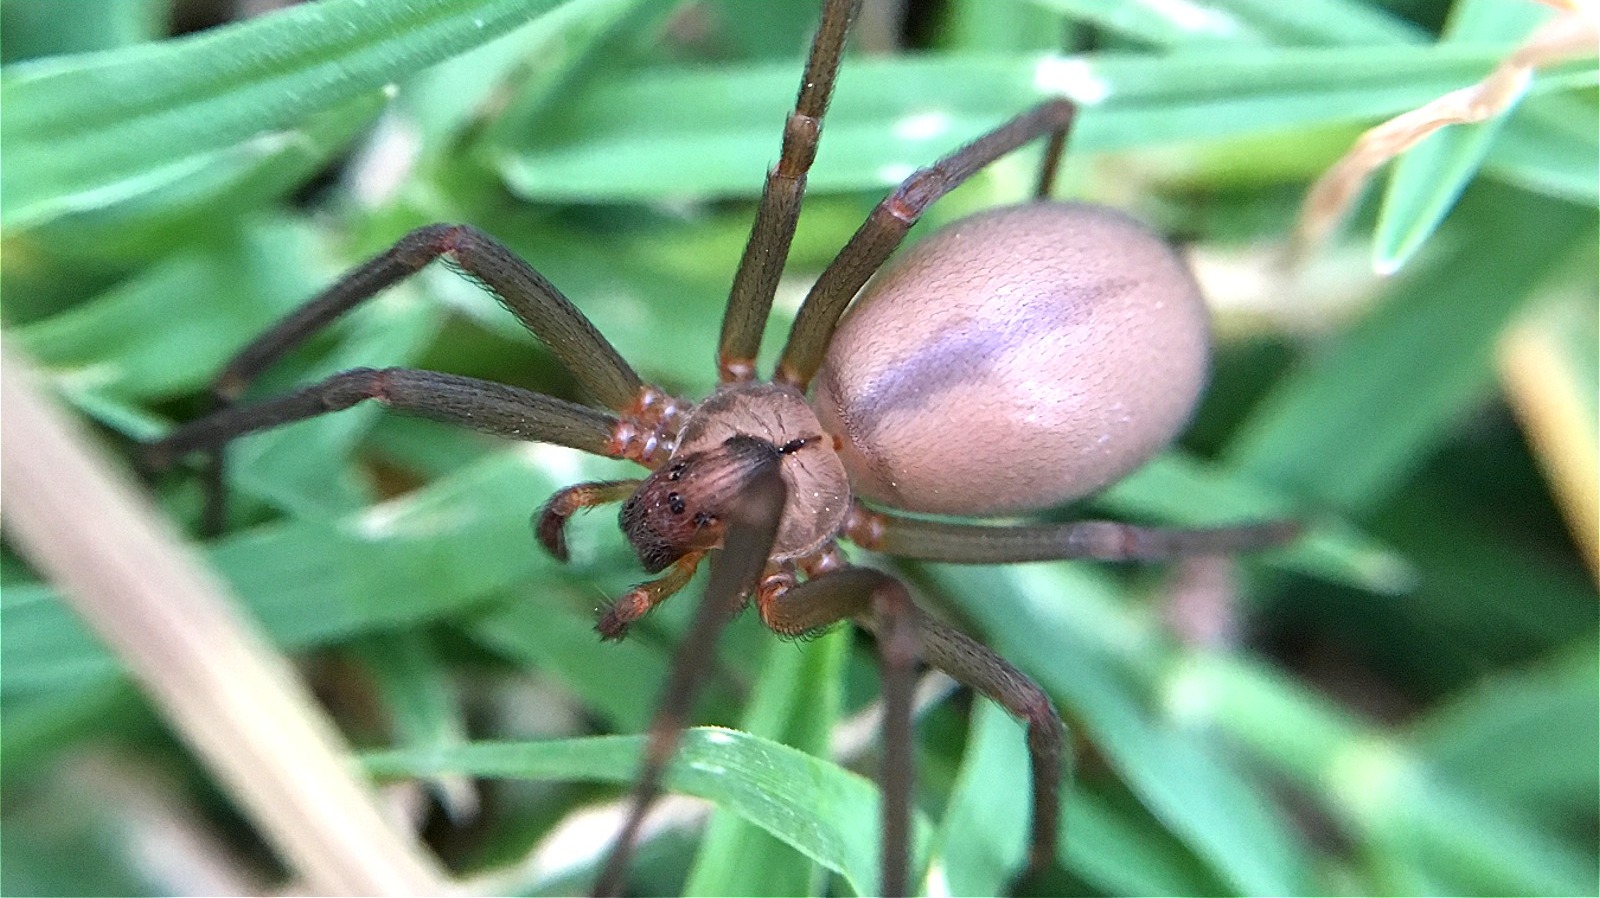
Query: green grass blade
[977,26]
[167,330]
[547,636]
[1240,22]
[1054,622]
[85,130]
[1313,22]
[247,175]
[825,812]
[425,715]
[1551,145]
[1408,811]
[300,467]
[38,28]
[1124,850]
[1164,25]
[1527,739]
[429,555]
[1424,187]
[795,702]
[1428,179]
[1348,428]
[594,149]
[1180,489]
[982,840]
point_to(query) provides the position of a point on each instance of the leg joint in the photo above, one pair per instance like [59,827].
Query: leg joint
[800,134]
[429,242]
[916,194]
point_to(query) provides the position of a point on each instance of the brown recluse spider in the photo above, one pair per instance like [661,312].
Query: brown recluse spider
[1016,359]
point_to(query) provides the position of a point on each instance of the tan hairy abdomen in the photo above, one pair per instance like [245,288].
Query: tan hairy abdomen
[1015,360]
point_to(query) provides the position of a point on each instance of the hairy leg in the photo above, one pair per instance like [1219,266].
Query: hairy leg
[535,302]
[883,230]
[858,592]
[880,603]
[768,248]
[735,572]
[481,405]
[908,537]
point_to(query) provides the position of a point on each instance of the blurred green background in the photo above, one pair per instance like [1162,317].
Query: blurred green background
[1404,702]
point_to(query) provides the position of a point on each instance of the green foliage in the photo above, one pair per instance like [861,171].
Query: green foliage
[1407,702]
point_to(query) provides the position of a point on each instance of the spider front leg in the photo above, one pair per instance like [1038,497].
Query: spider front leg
[752,524]
[761,266]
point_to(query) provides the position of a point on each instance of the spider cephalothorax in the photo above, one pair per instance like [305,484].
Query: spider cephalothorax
[1016,359]
[716,454]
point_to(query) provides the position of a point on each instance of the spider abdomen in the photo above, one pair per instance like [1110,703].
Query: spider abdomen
[1014,360]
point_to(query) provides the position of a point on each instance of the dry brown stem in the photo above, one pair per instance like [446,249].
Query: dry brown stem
[171,623]
[1572,34]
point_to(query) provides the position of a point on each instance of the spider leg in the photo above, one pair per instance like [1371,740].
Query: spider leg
[479,404]
[881,603]
[535,302]
[752,526]
[762,263]
[908,537]
[876,239]
[550,524]
[866,593]
[638,601]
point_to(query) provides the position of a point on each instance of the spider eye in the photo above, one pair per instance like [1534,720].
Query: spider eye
[675,503]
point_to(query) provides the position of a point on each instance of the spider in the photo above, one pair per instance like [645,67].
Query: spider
[1012,361]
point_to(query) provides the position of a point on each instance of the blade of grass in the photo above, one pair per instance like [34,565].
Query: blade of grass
[211,674]
[89,129]
[825,812]
[795,702]
[1526,739]
[1180,489]
[1240,22]
[1321,22]
[1427,180]
[982,840]
[246,175]
[1551,145]
[594,151]
[414,687]
[560,643]
[166,330]
[1347,428]
[1406,809]
[310,582]
[37,27]
[1053,622]
[1165,25]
